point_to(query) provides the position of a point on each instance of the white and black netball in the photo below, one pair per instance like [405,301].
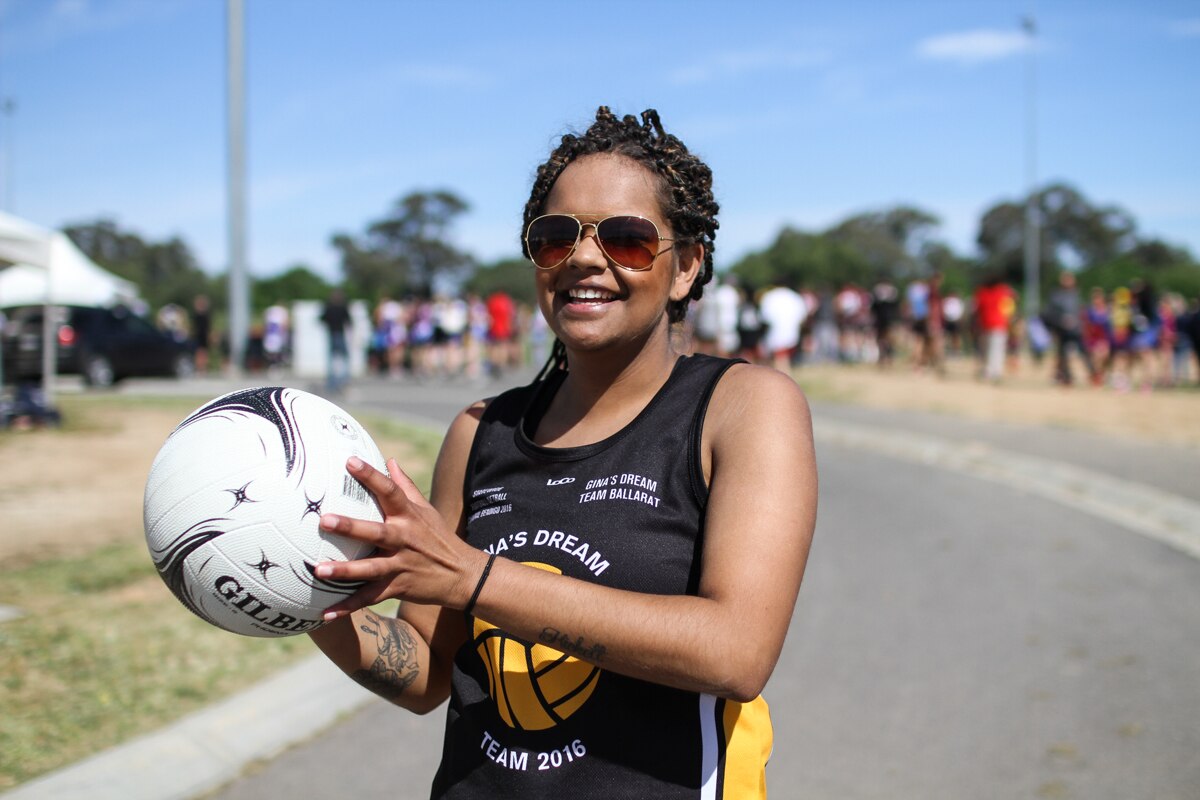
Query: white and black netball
[233,501]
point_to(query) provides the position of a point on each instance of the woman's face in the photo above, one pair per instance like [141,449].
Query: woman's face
[589,302]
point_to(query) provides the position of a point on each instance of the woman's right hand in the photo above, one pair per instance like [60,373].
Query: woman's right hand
[417,557]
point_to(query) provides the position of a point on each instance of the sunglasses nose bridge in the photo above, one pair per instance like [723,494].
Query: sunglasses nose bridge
[597,248]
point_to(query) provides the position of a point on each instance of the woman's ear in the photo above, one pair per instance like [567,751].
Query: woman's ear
[688,261]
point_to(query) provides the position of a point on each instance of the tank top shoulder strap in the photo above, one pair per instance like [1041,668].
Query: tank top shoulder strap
[698,376]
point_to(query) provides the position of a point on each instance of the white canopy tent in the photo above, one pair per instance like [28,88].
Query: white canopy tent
[22,242]
[77,280]
[38,265]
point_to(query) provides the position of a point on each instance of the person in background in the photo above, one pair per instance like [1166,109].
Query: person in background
[1189,326]
[201,324]
[953,311]
[885,312]
[749,326]
[783,312]
[336,318]
[1097,334]
[928,331]
[1120,366]
[1180,344]
[995,307]
[502,352]
[1063,317]
[276,335]
[1146,336]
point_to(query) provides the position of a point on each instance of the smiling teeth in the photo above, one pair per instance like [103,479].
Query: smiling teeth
[591,294]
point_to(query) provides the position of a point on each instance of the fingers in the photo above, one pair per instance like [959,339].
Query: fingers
[363,530]
[400,478]
[368,595]
[392,498]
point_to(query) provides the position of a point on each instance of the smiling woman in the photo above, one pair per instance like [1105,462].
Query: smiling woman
[604,573]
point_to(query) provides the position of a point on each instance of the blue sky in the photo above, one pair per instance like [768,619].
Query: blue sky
[807,111]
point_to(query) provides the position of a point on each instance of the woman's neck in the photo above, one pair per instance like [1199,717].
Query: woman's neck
[603,393]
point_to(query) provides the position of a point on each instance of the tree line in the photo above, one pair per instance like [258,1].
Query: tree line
[408,251]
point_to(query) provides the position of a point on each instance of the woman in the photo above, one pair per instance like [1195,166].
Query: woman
[605,572]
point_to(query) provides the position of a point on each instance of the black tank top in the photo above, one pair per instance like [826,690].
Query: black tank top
[531,720]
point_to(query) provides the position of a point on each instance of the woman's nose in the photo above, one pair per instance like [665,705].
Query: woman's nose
[588,252]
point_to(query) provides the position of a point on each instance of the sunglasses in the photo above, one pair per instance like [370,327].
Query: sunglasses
[629,242]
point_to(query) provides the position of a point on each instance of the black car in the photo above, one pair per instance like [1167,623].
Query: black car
[103,345]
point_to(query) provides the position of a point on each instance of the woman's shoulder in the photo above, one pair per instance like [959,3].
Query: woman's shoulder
[744,376]
[751,397]
[505,409]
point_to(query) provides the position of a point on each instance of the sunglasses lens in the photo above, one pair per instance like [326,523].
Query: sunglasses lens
[551,239]
[632,242]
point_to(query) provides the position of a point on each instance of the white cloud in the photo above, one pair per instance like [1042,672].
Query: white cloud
[1186,28]
[70,9]
[439,76]
[56,23]
[974,47]
[737,63]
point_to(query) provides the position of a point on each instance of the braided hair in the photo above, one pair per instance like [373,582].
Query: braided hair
[684,186]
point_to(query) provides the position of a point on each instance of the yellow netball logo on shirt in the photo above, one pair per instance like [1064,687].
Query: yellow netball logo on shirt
[534,686]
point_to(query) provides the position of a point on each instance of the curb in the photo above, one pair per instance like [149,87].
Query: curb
[1145,510]
[211,747]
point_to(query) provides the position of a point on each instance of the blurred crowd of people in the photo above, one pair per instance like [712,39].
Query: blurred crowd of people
[1129,338]
[445,336]
[469,336]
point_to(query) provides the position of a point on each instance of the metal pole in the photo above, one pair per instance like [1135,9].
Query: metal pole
[1032,220]
[8,106]
[239,297]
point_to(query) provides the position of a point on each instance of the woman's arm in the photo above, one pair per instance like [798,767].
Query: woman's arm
[407,659]
[759,525]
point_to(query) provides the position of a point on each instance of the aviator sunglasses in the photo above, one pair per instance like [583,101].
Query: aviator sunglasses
[629,242]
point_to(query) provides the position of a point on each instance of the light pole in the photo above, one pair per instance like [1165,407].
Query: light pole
[8,107]
[239,297]
[1032,221]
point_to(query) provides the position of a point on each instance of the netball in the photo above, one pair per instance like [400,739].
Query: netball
[233,501]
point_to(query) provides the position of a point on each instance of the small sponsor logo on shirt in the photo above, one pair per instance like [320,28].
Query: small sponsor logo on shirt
[559,481]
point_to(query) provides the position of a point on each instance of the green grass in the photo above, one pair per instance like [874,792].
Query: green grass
[106,653]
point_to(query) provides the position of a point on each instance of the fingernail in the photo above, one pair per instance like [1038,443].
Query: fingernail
[324,571]
[354,462]
[329,616]
[329,521]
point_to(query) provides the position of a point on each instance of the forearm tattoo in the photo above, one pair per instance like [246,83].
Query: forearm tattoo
[579,647]
[395,666]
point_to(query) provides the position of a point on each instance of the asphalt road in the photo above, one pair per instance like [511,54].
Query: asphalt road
[990,611]
[956,637]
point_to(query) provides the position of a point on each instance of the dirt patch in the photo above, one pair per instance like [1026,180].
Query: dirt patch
[64,492]
[1028,396]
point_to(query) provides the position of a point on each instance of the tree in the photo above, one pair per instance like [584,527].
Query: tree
[408,251]
[897,243]
[165,272]
[298,282]
[1073,233]
[512,275]
[368,273]
[797,258]
[894,243]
